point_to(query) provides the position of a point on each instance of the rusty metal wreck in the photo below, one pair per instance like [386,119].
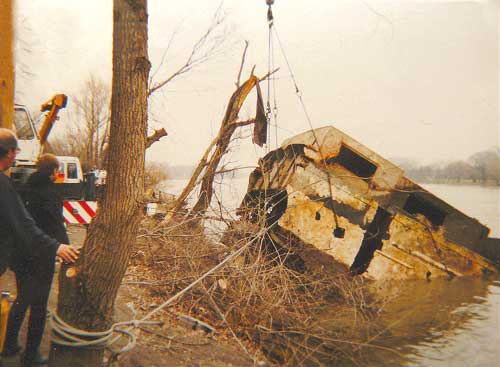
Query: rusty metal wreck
[336,197]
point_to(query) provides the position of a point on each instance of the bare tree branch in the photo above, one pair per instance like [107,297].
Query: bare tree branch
[242,64]
[234,169]
[219,145]
[207,46]
[163,57]
[87,136]
[157,135]
[268,74]
[243,123]
[380,16]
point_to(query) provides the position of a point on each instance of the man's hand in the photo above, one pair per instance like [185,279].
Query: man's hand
[67,253]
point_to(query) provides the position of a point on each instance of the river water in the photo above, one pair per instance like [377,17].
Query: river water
[453,323]
[442,323]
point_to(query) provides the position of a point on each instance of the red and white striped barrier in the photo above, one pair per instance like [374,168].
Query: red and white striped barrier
[79,212]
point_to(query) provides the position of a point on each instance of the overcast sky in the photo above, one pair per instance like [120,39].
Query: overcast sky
[411,79]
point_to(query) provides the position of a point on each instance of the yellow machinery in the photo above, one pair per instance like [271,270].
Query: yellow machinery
[4,314]
[53,106]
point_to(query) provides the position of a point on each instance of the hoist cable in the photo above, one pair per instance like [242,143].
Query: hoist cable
[270,21]
[275,105]
[306,113]
[271,113]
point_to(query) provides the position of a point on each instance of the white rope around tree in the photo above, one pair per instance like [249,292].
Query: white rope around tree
[70,336]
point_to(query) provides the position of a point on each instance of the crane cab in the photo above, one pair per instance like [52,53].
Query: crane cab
[70,177]
[27,136]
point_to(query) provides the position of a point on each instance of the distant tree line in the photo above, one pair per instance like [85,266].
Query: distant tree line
[87,133]
[482,167]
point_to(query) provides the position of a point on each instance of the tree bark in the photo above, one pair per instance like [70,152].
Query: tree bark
[157,135]
[6,64]
[86,300]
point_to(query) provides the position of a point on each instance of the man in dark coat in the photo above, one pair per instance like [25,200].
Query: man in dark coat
[34,274]
[21,241]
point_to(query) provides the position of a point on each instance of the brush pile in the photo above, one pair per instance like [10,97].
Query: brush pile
[267,297]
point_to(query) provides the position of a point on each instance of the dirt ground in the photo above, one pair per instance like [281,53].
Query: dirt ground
[175,343]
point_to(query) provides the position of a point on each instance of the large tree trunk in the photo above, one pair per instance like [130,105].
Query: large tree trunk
[6,64]
[86,301]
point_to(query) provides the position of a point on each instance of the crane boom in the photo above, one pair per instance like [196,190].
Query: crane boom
[59,101]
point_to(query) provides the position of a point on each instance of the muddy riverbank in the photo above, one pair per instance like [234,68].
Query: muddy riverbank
[176,343]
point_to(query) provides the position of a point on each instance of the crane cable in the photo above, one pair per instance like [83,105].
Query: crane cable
[338,232]
[270,21]
[271,113]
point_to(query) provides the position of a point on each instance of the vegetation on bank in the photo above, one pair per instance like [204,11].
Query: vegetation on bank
[479,168]
[259,299]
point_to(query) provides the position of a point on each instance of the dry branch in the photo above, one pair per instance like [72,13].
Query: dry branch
[212,156]
[258,299]
[221,142]
[157,135]
[241,65]
[208,45]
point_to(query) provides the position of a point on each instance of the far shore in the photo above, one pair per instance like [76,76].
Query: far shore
[489,183]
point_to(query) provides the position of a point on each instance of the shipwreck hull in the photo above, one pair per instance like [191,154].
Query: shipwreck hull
[388,227]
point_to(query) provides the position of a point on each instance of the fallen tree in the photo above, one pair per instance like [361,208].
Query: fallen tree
[207,167]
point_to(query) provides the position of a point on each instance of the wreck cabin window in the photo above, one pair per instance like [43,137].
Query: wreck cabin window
[355,163]
[417,205]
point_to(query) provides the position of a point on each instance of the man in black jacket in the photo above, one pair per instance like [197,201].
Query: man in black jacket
[21,241]
[34,275]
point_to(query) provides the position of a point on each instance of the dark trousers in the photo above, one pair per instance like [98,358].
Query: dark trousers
[33,292]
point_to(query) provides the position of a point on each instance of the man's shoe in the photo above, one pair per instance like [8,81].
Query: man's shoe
[30,360]
[39,359]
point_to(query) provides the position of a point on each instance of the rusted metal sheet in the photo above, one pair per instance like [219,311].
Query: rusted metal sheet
[323,179]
